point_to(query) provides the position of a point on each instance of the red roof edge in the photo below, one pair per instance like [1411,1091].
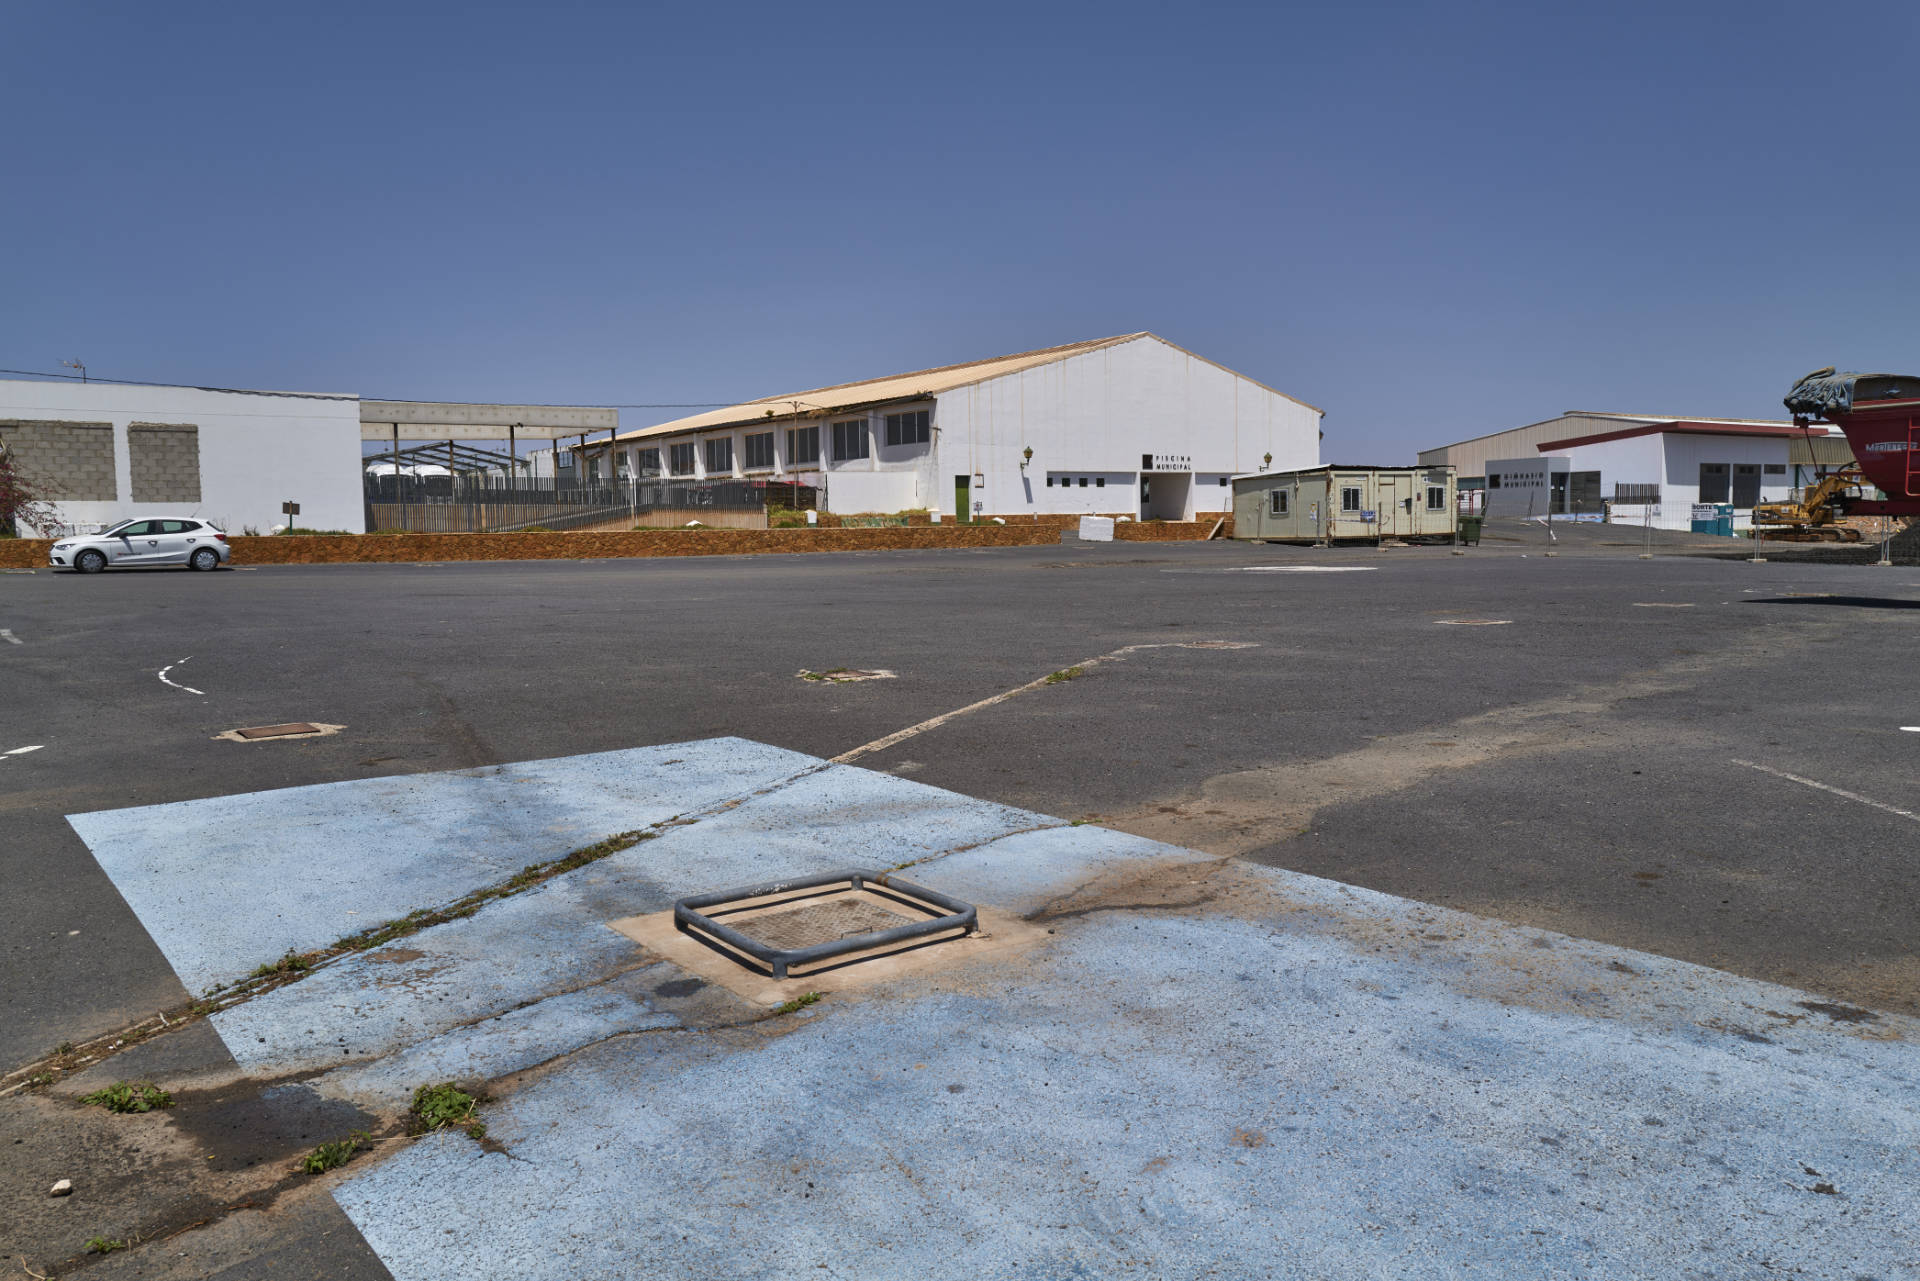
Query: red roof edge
[1680,427]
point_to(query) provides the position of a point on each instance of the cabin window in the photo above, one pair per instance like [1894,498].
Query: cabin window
[1277,503]
[1350,498]
[1436,498]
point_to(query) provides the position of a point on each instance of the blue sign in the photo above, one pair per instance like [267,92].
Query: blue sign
[1369,515]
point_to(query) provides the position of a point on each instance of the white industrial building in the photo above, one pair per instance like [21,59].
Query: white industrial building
[100,452]
[1653,473]
[1131,426]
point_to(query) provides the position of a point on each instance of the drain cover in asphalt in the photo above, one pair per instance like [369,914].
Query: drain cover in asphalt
[278,731]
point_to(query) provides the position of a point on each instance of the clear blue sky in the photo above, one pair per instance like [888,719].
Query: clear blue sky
[1431,220]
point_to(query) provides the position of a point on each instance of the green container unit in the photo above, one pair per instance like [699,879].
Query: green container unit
[1345,504]
[1469,531]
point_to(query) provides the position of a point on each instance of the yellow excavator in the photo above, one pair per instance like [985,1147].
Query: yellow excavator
[1816,517]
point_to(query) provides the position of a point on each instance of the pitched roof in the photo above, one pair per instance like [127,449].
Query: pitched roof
[894,387]
[1684,427]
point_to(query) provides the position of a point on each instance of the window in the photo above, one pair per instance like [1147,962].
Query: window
[1083,482]
[909,429]
[139,529]
[649,462]
[680,459]
[622,461]
[1099,482]
[178,526]
[759,451]
[1049,480]
[593,470]
[1713,483]
[720,456]
[1493,480]
[850,440]
[1277,502]
[1436,498]
[1223,482]
[1350,498]
[1775,469]
[803,446]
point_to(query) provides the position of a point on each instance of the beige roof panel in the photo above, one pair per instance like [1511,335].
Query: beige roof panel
[824,401]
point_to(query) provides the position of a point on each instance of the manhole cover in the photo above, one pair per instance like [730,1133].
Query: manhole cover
[1473,622]
[846,675]
[278,731]
[792,926]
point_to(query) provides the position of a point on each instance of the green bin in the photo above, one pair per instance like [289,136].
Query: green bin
[1468,530]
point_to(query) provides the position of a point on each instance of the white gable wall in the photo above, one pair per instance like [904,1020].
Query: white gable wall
[1097,413]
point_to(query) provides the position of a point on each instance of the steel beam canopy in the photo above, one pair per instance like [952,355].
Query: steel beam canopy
[447,420]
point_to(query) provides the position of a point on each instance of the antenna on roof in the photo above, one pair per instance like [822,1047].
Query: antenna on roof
[76,363]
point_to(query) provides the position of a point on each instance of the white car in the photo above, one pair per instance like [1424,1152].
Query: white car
[165,540]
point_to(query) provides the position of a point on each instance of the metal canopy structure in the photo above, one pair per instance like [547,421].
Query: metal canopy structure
[449,420]
[454,457]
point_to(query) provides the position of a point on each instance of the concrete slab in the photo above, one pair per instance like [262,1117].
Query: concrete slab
[301,867]
[1198,1067]
[1179,1097]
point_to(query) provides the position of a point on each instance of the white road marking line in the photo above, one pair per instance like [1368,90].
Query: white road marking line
[1473,622]
[1911,729]
[1852,796]
[22,751]
[177,685]
[7,636]
[900,736]
[1301,569]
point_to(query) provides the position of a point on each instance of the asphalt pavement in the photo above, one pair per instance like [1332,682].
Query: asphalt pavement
[1702,759]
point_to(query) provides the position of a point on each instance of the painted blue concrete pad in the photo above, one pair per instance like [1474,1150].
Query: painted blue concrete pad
[1176,1097]
[554,937]
[1267,1074]
[228,883]
[514,1041]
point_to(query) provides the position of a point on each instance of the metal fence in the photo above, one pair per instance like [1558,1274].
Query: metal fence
[491,504]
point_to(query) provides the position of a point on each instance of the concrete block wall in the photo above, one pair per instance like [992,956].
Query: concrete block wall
[64,461]
[164,459]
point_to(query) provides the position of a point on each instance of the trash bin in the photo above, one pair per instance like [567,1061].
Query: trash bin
[1467,530]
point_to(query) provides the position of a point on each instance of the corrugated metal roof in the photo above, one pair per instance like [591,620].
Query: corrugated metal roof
[825,401]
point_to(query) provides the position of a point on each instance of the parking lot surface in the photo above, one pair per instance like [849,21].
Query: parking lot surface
[1700,760]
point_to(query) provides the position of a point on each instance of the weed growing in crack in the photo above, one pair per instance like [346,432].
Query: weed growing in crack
[130,1096]
[436,1107]
[39,1079]
[104,1245]
[291,963]
[65,1047]
[477,1131]
[1065,674]
[331,1156]
[798,1003]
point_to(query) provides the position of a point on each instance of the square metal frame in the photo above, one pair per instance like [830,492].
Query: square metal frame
[690,920]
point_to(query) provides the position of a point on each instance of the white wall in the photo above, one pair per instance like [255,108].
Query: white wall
[1685,453]
[256,450]
[1099,411]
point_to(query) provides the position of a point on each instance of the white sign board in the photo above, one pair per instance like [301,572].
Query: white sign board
[1096,529]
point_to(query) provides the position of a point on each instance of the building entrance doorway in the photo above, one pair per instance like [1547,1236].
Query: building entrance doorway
[963,498]
[1166,496]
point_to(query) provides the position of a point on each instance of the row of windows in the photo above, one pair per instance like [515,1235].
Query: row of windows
[1350,499]
[1066,482]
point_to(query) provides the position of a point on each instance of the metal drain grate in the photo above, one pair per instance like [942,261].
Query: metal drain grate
[278,731]
[826,919]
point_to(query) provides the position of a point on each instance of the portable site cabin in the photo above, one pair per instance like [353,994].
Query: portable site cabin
[1329,504]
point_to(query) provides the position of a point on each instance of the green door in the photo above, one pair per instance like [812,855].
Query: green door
[962,498]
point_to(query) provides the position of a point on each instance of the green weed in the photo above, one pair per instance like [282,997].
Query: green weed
[1066,674]
[101,1245]
[291,963]
[331,1156]
[799,1002]
[130,1096]
[437,1106]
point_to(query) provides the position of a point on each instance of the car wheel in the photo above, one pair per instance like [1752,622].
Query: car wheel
[204,559]
[90,562]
